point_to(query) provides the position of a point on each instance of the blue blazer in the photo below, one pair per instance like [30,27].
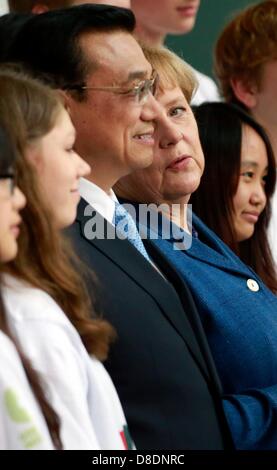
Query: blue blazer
[239,315]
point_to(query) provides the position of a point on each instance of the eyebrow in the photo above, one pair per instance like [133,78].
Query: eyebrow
[136,74]
[251,163]
[248,163]
[175,100]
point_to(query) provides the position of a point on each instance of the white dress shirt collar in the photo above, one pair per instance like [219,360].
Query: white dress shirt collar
[104,203]
[97,198]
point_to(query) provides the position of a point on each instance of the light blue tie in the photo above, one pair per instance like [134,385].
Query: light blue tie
[125,225]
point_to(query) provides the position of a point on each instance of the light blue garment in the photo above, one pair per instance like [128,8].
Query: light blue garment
[127,229]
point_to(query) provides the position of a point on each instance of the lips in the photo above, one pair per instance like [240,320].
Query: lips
[145,137]
[179,163]
[15,229]
[251,217]
[189,10]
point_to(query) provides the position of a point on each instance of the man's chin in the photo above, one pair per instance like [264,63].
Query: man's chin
[145,160]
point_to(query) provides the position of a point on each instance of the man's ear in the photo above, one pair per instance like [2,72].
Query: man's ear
[245,92]
[39,8]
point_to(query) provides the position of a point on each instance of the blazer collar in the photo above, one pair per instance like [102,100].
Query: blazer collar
[206,247]
[211,250]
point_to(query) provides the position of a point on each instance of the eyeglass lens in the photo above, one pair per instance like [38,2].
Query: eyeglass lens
[148,86]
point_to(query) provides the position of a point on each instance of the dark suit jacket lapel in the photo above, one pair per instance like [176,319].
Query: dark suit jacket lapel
[192,321]
[125,255]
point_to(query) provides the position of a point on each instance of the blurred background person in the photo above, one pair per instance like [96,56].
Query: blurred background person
[246,67]
[234,196]
[155,19]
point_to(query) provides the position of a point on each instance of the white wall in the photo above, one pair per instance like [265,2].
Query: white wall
[3,7]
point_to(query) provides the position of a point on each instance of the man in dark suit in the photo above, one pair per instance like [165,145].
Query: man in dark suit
[160,363]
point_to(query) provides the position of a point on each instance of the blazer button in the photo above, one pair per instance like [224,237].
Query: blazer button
[253,285]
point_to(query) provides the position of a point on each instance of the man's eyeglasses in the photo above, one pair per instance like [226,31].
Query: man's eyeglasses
[141,90]
[8,182]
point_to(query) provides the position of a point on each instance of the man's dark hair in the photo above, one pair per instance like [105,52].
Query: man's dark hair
[10,25]
[48,46]
[18,6]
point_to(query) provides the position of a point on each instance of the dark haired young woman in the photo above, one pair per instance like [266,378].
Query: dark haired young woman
[234,196]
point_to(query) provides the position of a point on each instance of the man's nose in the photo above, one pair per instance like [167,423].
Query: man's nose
[151,109]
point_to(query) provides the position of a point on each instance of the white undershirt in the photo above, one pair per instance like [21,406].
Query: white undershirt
[103,202]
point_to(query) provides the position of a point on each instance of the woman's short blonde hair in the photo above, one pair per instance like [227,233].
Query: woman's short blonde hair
[173,71]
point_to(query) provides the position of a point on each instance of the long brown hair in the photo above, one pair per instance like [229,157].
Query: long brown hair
[7,162]
[46,259]
[220,129]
